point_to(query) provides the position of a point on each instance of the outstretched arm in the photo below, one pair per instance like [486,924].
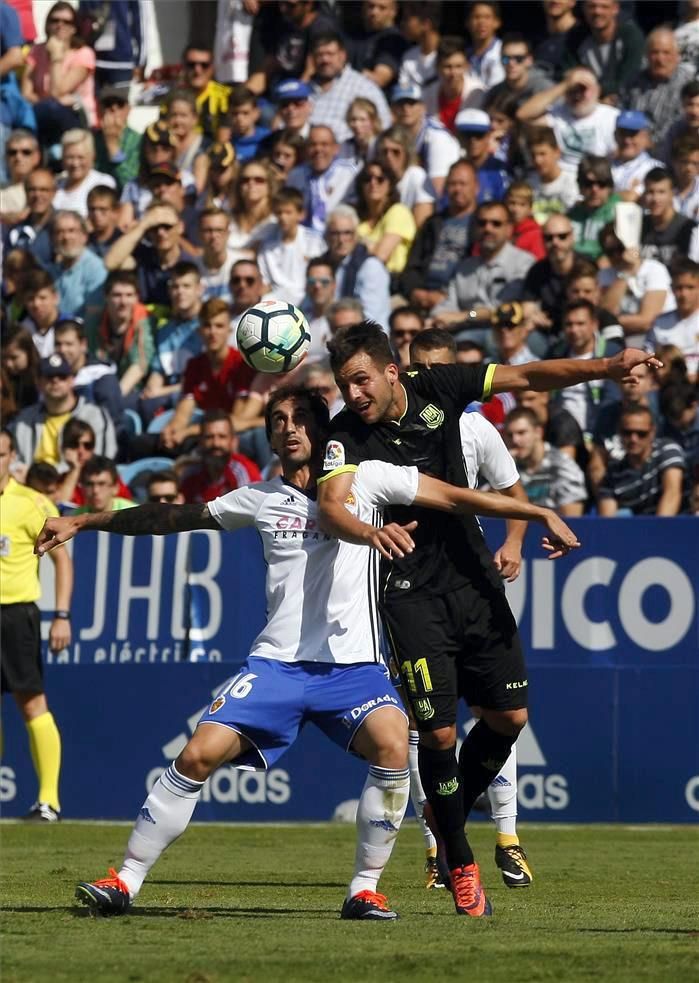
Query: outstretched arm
[152,519]
[436,494]
[557,373]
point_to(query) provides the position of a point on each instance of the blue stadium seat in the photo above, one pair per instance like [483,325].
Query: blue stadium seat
[131,473]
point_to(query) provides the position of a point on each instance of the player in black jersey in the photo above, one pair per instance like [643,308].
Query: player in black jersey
[444,604]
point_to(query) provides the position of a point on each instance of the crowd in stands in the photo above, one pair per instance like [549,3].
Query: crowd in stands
[506,191]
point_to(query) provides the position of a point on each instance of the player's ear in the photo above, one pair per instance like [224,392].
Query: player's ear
[391,372]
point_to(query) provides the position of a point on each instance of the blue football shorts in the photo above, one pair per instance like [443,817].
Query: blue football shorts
[269,702]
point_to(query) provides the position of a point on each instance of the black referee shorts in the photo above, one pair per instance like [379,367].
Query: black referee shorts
[21,667]
[462,645]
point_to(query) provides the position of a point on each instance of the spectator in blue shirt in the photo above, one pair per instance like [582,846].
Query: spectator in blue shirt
[77,271]
[473,128]
[246,135]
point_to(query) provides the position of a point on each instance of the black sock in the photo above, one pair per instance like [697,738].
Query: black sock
[439,773]
[481,757]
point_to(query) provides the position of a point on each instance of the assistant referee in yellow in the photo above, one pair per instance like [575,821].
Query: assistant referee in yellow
[22,515]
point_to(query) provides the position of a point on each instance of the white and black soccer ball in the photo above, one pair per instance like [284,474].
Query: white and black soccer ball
[273,336]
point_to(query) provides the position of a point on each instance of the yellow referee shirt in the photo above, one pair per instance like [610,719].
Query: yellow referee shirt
[23,512]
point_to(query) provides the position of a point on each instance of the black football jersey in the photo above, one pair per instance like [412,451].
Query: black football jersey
[449,550]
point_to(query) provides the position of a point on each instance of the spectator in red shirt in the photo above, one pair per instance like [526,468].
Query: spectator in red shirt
[218,379]
[527,233]
[223,469]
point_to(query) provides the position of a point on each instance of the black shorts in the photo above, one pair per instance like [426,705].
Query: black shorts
[463,645]
[21,667]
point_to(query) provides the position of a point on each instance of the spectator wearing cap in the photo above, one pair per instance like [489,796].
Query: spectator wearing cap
[455,89]
[358,274]
[572,107]
[336,84]
[443,241]
[632,161]
[216,260]
[78,273]
[325,180]
[420,25]
[648,479]
[435,146]
[103,216]
[608,45]
[165,185]
[79,177]
[473,128]
[597,207]
[153,247]
[550,478]
[157,147]
[294,106]
[377,46]
[35,232]
[480,283]
[664,232]
[94,379]
[656,90]
[38,428]
[222,468]
[510,330]
[211,97]
[22,155]
[117,146]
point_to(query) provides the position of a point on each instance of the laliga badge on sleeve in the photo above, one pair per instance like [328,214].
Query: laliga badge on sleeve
[334,455]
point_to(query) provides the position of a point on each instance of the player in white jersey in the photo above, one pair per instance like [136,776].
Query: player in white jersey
[317,657]
[484,453]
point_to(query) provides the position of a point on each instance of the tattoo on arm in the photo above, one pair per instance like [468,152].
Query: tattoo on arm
[153,519]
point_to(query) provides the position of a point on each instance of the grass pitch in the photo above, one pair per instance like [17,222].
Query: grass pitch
[261,903]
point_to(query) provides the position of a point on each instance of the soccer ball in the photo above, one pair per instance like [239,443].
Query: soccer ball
[273,336]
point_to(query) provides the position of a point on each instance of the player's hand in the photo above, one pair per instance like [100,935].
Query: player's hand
[508,560]
[561,539]
[621,365]
[59,634]
[392,541]
[55,532]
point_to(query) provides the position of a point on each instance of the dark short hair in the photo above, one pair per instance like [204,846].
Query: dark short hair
[328,37]
[10,438]
[184,269]
[485,205]
[515,37]
[368,337]
[288,196]
[37,280]
[320,261]
[523,413]
[212,308]
[126,277]
[577,305]
[73,430]
[169,474]
[690,90]
[196,47]
[241,96]
[431,339]
[657,174]
[98,464]
[70,324]
[581,267]
[684,265]
[493,4]
[104,191]
[217,416]
[684,145]
[536,135]
[431,11]
[634,409]
[311,397]
[41,474]
[405,309]
[677,397]
[450,45]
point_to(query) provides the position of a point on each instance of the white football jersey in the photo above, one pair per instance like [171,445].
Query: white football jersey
[484,450]
[322,594]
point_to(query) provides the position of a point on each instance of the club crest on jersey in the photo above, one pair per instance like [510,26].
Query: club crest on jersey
[217,704]
[334,455]
[432,416]
[423,709]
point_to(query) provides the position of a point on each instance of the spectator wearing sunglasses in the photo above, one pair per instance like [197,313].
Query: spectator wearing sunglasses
[211,97]
[164,486]
[22,156]
[320,293]
[596,209]
[153,247]
[480,283]
[544,287]
[247,289]
[522,79]
[648,479]
[78,446]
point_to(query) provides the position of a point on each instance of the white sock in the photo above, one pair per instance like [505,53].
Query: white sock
[417,793]
[502,793]
[163,817]
[381,809]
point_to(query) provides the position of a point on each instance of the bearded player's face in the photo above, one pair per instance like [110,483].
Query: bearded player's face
[366,387]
